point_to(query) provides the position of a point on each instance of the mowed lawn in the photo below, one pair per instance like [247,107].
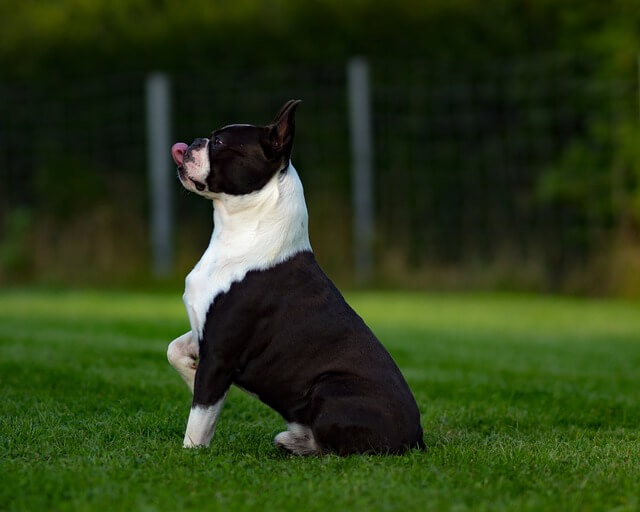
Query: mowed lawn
[528,403]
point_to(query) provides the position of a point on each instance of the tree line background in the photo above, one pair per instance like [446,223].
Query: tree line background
[506,133]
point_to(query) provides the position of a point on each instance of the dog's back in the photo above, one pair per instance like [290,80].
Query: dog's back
[294,342]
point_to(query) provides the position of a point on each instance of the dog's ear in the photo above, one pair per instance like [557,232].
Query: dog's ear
[283,127]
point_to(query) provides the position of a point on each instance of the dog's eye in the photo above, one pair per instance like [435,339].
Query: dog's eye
[218,141]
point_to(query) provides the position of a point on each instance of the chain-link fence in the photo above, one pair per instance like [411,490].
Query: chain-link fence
[468,169]
[492,174]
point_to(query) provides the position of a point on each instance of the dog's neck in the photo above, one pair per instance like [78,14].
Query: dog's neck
[265,227]
[251,232]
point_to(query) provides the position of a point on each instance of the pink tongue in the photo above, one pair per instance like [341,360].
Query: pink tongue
[177,152]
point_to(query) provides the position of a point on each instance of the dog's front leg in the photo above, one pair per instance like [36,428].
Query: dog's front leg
[183,356]
[211,385]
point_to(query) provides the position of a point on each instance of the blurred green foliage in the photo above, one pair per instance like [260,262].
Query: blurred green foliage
[14,256]
[73,195]
[83,35]
[596,176]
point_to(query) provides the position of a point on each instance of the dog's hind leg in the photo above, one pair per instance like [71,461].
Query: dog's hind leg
[183,353]
[298,440]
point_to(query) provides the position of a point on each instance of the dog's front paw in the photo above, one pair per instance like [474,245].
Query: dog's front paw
[189,362]
[188,443]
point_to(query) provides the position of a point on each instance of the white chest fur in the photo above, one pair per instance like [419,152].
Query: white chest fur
[251,232]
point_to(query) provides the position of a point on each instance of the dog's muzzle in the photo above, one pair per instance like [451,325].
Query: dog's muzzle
[183,154]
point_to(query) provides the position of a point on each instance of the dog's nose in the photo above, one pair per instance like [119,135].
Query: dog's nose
[198,144]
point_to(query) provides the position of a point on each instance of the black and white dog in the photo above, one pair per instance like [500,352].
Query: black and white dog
[266,318]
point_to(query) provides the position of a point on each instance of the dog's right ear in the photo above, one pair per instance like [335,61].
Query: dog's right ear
[282,129]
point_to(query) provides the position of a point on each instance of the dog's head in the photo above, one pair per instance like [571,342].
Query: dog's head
[237,159]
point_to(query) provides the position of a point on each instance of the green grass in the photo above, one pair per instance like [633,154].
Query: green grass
[527,403]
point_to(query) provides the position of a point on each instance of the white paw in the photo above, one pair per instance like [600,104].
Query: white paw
[283,439]
[188,362]
[188,443]
[289,442]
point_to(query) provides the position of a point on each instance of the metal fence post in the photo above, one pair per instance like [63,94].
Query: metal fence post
[638,84]
[158,115]
[362,167]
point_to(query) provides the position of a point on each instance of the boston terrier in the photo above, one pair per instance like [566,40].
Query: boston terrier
[266,318]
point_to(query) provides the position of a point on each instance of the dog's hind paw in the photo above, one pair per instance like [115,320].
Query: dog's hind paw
[298,440]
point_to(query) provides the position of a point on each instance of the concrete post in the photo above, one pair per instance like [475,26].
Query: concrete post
[158,115]
[362,167]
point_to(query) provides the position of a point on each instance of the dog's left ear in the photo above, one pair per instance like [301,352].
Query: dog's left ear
[283,127]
